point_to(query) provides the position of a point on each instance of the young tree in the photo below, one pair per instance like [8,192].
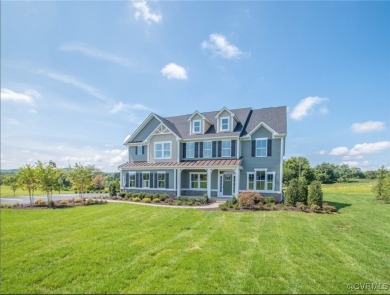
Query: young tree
[12,181]
[28,179]
[302,190]
[326,172]
[98,182]
[81,177]
[379,188]
[295,168]
[315,194]
[48,176]
[292,193]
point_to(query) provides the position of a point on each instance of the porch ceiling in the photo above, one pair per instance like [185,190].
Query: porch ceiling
[228,163]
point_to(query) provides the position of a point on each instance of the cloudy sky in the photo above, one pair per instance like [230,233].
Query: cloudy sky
[77,77]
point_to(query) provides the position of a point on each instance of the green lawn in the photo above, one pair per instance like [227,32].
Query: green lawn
[126,248]
[7,192]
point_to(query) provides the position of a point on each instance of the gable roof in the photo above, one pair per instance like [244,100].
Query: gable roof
[248,121]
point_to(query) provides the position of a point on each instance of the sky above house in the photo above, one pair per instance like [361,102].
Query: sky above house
[77,77]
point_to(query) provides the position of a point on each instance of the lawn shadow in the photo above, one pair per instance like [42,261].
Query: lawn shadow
[338,205]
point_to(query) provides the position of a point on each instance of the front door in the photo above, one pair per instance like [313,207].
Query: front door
[226,184]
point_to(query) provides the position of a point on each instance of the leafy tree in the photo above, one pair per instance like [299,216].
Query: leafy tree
[326,172]
[112,191]
[292,192]
[28,179]
[48,176]
[302,191]
[12,181]
[344,173]
[379,188]
[315,194]
[386,189]
[295,168]
[81,177]
[98,182]
[370,174]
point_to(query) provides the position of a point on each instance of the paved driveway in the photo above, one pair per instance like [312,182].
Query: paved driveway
[26,200]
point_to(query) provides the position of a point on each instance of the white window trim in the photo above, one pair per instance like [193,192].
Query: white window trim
[266,147]
[142,179]
[135,180]
[198,189]
[230,149]
[220,124]
[247,180]
[273,181]
[266,181]
[138,148]
[211,149]
[162,150]
[193,126]
[193,156]
[165,179]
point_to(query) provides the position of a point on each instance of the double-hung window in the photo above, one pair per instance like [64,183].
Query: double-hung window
[131,179]
[224,124]
[226,148]
[161,179]
[261,147]
[145,179]
[190,150]
[162,150]
[270,181]
[196,126]
[207,149]
[198,180]
[261,180]
[251,181]
[138,150]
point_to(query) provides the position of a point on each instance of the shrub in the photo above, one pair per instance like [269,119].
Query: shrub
[259,198]
[135,199]
[269,200]
[156,200]
[247,199]
[146,200]
[129,195]
[223,207]
[315,208]
[315,194]
[112,189]
[205,198]
[197,203]
[237,206]
[90,201]
[292,193]
[40,202]
[150,196]
[63,202]
[190,203]
[77,200]
[234,200]
[328,208]
[301,205]
[302,191]
[142,196]
[179,202]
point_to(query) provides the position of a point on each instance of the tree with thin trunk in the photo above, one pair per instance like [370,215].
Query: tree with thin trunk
[48,176]
[81,177]
[12,181]
[28,179]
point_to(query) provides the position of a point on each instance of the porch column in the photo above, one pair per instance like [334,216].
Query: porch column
[237,181]
[209,182]
[178,187]
[121,179]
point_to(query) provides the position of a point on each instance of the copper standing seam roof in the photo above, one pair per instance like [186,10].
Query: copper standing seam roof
[200,163]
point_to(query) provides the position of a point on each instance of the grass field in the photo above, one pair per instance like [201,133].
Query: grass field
[7,192]
[126,248]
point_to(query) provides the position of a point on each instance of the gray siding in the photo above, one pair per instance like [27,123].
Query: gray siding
[249,163]
[137,158]
[145,132]
[171,177]
[163,137]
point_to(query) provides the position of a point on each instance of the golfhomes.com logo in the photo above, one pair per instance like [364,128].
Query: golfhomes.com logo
[368,286]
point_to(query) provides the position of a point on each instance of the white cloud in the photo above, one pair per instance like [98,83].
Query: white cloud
[174,71]
[305,106]
[74,82]
[10,121]
[95,53]
[322,152]
[142,10]
[367,126]
[26,97]
[370,148]
[219,46]
[120,106]
[351,163]
[342,150]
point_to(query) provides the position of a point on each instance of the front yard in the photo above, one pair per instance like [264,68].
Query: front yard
[126,248]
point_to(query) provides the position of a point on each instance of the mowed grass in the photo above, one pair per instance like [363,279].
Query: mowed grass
[7,192]
[126,248]
[362,187]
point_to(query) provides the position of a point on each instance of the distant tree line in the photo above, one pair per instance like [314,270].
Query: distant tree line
[49,178]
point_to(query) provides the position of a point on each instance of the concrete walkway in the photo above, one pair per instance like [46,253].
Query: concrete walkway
[210,206]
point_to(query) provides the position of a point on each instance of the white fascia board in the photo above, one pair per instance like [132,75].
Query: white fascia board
[231,113]
[209,138]
[262,124]
[140,127]
[198,113]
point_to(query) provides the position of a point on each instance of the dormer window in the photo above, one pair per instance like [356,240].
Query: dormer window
[225,123]
[196,126]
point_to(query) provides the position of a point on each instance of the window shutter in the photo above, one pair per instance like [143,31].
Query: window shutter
[155,180]
[196,149]
[219,148]
[151,180]
[138,179]
[167,180]
[201,149]
[269,148]
[233,148]
[143,150]
[214,149]
[127,180]
[136,150]
[184,150]
[253,148]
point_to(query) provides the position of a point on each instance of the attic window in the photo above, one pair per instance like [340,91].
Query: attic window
[196,126]
[224,124]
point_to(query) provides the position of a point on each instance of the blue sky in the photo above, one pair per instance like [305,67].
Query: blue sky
[77,77]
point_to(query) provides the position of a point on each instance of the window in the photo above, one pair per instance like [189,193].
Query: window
[145,179]
[207,149]
[190,149]
[161,179]
[131,179]
[162,150]
[138,150]
[261,147]
[251,181]
[226,147]
[260,180]
[198,180]
[270,181]
[224,124]
[196,126]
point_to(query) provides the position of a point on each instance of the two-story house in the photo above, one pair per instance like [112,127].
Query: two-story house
[219,153]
